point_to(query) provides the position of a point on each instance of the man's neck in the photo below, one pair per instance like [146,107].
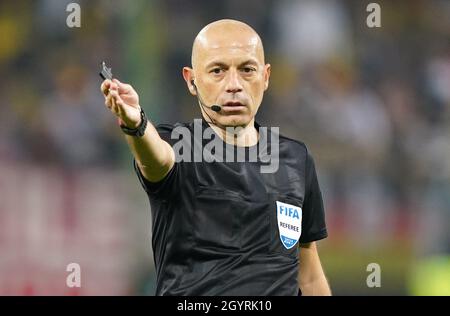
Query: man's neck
[242,136]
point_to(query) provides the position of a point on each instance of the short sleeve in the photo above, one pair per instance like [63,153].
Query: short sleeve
[164,187]
[313,219]
[160,187]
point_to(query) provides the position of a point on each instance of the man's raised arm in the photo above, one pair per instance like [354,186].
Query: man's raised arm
[154,156]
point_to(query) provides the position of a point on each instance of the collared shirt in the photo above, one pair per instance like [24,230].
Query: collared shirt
[226,228]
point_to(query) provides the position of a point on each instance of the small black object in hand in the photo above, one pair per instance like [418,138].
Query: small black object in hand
[106,72]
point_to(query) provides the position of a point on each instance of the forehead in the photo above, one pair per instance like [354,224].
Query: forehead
[230,55]
[228,48]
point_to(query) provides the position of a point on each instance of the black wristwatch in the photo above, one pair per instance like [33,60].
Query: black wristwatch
[138,131]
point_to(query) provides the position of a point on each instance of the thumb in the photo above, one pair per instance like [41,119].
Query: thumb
[123,88]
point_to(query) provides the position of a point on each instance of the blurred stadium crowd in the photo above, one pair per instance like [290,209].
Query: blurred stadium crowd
[372,104]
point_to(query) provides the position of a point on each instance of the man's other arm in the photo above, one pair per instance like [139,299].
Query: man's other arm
[311,278]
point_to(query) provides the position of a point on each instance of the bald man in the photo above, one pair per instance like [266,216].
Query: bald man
[225,228]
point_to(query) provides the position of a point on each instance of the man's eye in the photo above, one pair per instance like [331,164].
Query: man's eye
[216,70]
[248,69]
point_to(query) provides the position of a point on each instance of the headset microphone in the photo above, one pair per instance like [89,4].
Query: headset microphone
[214,107]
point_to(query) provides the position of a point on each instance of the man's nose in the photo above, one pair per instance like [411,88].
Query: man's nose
[233,84]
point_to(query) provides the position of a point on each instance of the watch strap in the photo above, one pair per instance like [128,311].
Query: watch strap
[139,131]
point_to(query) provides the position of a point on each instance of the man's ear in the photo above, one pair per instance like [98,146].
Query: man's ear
[266,76]
[188,75]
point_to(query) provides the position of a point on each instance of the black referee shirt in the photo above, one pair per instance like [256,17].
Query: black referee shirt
[226,228]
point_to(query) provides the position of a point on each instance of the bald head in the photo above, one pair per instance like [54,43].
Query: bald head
[226,34]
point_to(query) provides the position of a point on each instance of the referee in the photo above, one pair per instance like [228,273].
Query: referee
[226,228]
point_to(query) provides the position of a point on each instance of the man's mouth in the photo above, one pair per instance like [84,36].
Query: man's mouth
[233,103]
[233,106]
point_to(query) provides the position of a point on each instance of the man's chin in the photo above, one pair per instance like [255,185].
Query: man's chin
[235,120]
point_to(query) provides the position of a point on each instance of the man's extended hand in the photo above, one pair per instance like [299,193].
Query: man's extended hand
[123,101]
[154,156]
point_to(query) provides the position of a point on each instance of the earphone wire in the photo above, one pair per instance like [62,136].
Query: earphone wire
[200,101]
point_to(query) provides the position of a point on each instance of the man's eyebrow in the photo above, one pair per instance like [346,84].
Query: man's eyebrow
[216,63]
[249,62]
[224,65]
